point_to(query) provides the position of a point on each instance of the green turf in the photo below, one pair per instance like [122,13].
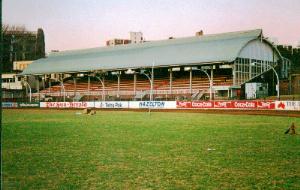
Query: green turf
[52,149]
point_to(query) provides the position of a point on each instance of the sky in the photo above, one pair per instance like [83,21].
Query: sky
[77,24]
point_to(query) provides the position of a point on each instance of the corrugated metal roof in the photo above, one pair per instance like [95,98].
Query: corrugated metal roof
[223,47]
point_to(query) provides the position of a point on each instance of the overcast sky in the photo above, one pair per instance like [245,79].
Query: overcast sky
[74,24]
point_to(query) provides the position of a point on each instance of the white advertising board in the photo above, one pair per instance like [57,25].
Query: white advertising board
[153,104]
[278,105]
[287,105]
[9,104]
[63,104]
[112,104]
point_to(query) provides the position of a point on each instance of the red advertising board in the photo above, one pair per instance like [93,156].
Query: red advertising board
[244,104]
[202,104]
[269,105]
[182,104]
[222,104]
[234,104]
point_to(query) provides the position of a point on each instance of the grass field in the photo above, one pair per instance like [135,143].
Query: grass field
[50,149]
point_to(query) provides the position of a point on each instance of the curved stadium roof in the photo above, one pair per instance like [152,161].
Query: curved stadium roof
[223,47]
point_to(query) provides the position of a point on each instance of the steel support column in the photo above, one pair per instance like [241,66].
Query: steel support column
[119,81]
[43,82]
[152,81]
[171,81]
[27,84]
[89,86]
[50,85]
[191,82]
[211,81]
[37,83]
[134,84]
[62,87]
[75,85]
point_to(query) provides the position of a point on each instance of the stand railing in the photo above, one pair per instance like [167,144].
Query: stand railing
[114,93]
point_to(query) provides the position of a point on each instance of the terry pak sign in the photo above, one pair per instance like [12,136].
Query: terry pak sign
[111,104]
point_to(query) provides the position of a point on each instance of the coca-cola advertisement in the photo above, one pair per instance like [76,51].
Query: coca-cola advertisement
[230,104]
[202,104]
[244,104]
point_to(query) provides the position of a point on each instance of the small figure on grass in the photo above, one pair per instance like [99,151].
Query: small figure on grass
[92,112]
[291,130]
[89,111]
[86,110]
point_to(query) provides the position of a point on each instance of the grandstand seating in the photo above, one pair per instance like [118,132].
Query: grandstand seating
[180,86]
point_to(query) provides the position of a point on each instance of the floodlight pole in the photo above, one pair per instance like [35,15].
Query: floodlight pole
[61,80]
[27,84]
[75,86]
[103,87]
[151,80]
[277,77]
[151,84]
[63,88]
[210,83]
[119,80]
[134,84]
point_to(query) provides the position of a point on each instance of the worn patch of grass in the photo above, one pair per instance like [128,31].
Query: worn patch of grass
[50,149]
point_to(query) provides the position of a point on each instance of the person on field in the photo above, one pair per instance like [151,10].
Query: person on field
[291,130]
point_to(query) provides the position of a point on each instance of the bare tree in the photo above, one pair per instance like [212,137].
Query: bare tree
[9,29]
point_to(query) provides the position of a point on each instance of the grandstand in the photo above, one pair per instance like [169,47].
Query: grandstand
[201,67]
